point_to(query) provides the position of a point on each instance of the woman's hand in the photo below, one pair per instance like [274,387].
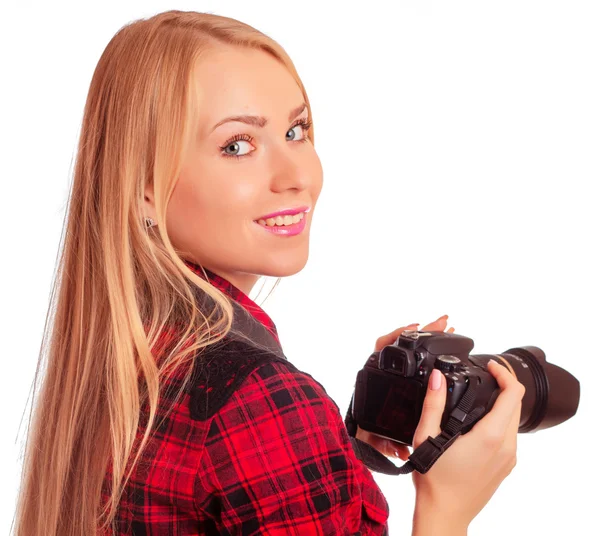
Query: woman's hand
[464,478]
[387,447]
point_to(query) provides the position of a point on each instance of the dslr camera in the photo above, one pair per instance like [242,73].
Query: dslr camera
[390,389]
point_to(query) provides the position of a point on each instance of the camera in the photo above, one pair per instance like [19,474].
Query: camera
[390,389]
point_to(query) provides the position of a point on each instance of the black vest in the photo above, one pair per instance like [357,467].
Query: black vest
[250,344]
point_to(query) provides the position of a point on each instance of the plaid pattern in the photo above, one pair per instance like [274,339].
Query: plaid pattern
[274,459]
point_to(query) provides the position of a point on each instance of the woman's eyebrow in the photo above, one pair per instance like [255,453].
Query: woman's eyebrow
[257,120]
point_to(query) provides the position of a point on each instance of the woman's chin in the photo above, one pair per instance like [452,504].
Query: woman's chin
[286,266]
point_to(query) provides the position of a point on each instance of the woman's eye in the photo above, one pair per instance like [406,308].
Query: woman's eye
[234,145]
[302,129]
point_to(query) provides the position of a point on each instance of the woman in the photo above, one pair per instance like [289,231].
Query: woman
[168,406]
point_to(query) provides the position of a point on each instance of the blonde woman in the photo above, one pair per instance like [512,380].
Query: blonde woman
[167,405]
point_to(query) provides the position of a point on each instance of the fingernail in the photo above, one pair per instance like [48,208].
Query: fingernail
[396,454]
[442,317]
[435,380]
[413,325]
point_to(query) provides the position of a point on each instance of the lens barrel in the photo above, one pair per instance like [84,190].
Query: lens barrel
[551,393]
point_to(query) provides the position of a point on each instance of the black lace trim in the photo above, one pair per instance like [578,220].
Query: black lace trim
[220,371]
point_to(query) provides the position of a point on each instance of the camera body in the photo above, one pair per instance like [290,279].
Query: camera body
[391,387]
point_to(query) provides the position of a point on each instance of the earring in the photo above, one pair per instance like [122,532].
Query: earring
[149,222]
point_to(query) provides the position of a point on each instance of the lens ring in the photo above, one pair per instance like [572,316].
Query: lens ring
[541,386]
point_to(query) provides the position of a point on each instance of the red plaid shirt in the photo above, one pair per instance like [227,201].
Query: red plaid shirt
[272,456]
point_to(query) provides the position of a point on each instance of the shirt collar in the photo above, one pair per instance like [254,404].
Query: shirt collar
[238,295]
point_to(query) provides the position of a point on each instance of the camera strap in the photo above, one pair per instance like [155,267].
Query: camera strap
[426,454]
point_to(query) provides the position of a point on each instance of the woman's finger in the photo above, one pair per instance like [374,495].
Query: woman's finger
[503,412]
[513,428]
[389,338]
[438,325]
[387,447]
[401,452]
[390,448]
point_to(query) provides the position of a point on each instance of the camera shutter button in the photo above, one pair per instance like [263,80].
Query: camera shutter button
[447,363]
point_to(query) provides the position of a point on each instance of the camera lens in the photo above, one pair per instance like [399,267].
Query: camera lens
[552,393]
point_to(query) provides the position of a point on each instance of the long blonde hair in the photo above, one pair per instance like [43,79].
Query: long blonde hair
[119,286]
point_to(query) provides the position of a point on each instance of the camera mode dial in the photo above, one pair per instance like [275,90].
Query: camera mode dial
[447,363]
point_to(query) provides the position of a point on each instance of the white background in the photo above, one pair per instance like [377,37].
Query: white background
[459,142]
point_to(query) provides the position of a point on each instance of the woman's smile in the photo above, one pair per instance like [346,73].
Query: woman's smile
[284,225]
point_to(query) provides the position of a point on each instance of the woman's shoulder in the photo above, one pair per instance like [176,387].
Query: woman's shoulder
[222,370]
[279,428]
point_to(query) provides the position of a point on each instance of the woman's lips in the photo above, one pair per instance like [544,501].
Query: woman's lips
[285,230]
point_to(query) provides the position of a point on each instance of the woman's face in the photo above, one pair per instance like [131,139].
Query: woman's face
[218,198]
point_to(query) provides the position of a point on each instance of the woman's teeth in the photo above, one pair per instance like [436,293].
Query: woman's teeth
[282,220]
